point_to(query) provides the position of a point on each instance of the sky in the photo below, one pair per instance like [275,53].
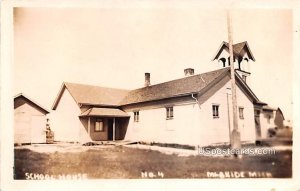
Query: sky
[114,47]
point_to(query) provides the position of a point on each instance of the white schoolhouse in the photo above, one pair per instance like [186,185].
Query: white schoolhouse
[192,110]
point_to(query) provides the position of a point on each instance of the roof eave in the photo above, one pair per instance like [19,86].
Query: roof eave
[250,51]
[32,101]
[123,116]
[169,97]
[260,103]
[58,97]
[88,113]
[223,43]
[247,87]
[99,105]
[268,109]
[212,83]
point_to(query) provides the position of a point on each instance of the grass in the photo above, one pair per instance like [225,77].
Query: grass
[123,162]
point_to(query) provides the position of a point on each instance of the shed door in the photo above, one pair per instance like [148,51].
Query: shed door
[22,131]
[38,127]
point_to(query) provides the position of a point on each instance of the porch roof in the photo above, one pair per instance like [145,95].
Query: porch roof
[104,112]
[268,108]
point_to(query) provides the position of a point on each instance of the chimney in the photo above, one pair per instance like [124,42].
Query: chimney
[147,79]
[188,72]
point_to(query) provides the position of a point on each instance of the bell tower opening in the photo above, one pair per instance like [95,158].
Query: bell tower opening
[223,61]
[242,60]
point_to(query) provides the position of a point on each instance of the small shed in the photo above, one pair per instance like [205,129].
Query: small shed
[270,118]
[29,121]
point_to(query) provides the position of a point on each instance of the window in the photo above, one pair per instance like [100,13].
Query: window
[244,78]
[215,110]
[257,113]
[99,125]
[169,111]
[136,116]
[241,112]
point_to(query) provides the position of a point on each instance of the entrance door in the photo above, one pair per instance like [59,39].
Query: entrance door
[22,128]
[38,127]
[110,129]
[257,123]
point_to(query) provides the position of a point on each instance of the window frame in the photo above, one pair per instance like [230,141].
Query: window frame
[241,113]
[169,112]
[216,112]
[100,121]
[136,116]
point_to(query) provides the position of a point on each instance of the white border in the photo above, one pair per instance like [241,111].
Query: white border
[6,120]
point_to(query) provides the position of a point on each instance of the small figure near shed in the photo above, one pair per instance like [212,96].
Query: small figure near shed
[49,133]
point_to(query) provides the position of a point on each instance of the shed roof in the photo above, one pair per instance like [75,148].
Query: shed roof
[104,112]
[21,95]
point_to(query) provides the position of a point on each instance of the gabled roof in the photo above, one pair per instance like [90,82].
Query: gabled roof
[100,96]
[180,87]
[21,95]
[92,95]
[280,111]
[104,112]
[237,49]
[174,88]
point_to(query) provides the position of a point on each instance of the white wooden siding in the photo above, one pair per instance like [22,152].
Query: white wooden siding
[65,122]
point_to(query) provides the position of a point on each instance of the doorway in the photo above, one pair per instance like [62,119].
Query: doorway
[110,129]
[257,123]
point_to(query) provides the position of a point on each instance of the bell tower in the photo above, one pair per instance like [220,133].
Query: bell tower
[242,57]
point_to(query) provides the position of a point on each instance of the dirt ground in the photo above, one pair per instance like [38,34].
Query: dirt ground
[123,162]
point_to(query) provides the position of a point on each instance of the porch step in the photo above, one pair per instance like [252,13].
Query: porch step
[126,143]
[116,143]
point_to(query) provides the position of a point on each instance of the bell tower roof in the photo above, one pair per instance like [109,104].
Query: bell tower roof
[239,50]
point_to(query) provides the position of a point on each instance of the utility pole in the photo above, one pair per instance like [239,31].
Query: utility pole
[235,140]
